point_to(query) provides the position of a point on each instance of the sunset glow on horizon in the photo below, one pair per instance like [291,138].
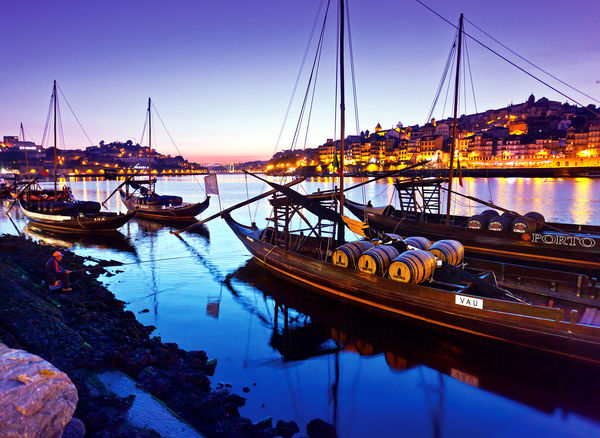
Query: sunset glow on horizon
[221,74]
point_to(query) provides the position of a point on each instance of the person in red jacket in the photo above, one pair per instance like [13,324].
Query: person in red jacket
[57,276]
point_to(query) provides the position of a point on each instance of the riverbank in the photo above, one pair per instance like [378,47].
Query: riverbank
[87,331]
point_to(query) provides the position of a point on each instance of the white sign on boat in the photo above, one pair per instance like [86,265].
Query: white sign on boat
[463,300]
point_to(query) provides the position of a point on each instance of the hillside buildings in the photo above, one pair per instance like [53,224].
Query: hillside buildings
[532,133]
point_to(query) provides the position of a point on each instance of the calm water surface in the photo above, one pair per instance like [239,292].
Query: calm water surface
[304,358]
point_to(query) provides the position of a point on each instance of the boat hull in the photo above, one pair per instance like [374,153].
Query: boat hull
[571,251]
[181,213]
[530,326]
[93,223]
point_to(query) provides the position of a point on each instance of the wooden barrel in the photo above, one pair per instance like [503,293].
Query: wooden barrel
[539,219]
[480,221]
[524,224]
[502,222]
[418,242]
[413,267]
[376,260]
[347,254]
[449,251]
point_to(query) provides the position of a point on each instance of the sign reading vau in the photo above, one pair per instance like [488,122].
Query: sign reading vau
[462,300]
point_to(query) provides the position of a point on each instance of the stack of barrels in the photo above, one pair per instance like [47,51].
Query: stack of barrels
[507,221]
[481,221]
[415,265]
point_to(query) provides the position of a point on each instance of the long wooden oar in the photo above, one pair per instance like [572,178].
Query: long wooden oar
[236,206]
[127,179]
[377,178]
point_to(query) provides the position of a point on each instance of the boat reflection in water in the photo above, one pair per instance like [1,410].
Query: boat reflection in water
[113,240]
[306,325]
[153,226]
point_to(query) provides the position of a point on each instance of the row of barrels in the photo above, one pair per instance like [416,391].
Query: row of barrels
[507,221]
[414,265]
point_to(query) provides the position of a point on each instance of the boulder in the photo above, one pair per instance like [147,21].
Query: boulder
[318,428]
[36,399]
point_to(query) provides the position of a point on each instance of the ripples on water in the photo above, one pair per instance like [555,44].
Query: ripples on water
[367,376]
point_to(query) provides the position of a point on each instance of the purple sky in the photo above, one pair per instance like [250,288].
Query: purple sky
[221,73]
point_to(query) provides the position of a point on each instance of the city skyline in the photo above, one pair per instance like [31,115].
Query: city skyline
[221,74]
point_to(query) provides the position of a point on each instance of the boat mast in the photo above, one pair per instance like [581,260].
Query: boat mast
[342,122]
[25,149]
[55,145]
[453,146]
[149,147]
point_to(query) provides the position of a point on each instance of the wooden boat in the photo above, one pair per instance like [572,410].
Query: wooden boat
[451,299]
[148,204]
[72,221]
[523,237]
[163,211]
[458,307]
[58,211]
[572,247]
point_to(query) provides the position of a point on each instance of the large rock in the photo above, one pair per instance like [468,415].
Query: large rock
[36,399]
[318,428]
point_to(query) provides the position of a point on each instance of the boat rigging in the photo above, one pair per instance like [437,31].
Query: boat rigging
[58,210]
[150,205]
[412,277]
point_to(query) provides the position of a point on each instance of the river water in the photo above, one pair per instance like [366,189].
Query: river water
[296,357]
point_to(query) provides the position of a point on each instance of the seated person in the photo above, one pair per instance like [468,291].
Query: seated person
[55,275]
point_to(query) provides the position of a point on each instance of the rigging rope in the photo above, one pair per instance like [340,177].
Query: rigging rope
[310,79]
[470,76]
[60,127]
[531,63]
[44,139]
[144,130]
[449,83]
[28,133]
[442,80]
[352,70]
[312,99]
[312,32]
[173,141]
[73,112]
[509,61]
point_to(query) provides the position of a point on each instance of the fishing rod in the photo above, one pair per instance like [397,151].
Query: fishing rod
[114,263]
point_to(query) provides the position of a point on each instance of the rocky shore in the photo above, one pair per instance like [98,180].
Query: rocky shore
[86,331]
